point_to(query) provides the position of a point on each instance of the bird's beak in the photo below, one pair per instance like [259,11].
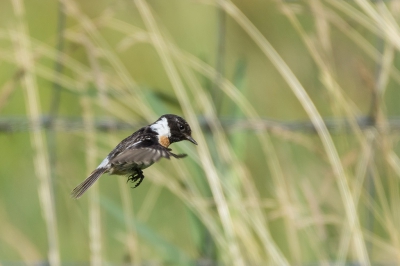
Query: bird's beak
[189,138]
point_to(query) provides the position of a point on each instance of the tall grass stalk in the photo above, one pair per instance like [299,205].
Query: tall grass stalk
[227,154]
[94,196]
[256,218]
[90,137]
[384,21]
[24,58]
[131,235]
[148,202]
[195,202]
[360,40]
[308,105]
[162,50]
[8,89]
[328,80]
[120,70]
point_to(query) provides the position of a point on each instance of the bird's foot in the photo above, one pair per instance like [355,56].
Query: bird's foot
[137,176]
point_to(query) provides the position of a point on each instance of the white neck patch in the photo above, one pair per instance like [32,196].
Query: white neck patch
[161,127]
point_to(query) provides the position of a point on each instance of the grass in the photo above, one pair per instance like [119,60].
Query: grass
[248,194]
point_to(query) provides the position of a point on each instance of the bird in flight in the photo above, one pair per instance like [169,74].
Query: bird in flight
[140,150]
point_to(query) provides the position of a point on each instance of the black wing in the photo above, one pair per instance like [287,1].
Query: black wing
[144,152]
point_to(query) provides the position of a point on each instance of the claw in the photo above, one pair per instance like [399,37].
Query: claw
[137,176]
[139,182]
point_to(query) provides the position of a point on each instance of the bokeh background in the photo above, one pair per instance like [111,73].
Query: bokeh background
[294,104]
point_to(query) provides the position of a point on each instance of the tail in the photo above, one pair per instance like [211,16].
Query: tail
[85,185]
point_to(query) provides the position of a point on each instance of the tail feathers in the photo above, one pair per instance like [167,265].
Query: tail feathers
[85,185]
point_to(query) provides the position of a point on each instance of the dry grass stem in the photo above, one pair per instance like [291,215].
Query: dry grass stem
[24,59]
[315,117]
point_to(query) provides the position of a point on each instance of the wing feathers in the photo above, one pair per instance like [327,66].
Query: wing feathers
[145,155]
[136,156]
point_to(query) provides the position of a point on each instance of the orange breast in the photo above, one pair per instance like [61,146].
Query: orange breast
[164,141]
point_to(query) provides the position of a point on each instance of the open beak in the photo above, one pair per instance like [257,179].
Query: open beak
[189,138]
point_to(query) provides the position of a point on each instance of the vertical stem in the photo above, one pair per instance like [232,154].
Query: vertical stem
[24,58]
[94,208]
[55,100]
[58,66]
[308,105]
[90,135]
[235,254]
[131,237]
[220,58]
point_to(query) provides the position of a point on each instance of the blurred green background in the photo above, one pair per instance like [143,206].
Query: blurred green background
[294,104]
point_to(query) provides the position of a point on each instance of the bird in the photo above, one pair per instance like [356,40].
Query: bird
[140,150]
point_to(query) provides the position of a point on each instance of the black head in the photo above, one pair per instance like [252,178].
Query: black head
[179,129]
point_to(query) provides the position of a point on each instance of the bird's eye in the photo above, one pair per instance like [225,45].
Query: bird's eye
[181,127]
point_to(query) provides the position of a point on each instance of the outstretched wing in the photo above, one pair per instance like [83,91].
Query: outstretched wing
[144,153]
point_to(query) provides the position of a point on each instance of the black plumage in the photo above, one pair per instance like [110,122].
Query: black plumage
[140,150]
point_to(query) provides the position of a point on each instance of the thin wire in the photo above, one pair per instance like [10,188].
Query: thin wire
[11,124]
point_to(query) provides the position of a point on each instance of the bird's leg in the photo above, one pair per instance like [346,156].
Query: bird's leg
[140,177]
[136,176]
